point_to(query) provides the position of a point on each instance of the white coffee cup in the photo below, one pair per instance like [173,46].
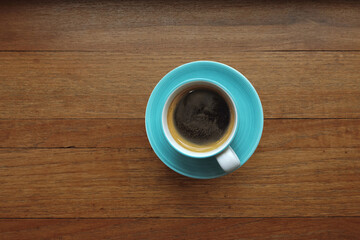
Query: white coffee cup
[225,155]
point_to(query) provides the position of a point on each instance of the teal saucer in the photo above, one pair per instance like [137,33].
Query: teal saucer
[250,117]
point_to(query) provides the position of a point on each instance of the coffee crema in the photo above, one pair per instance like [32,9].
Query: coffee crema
[200,118]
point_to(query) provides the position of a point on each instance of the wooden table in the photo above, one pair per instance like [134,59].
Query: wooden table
[75,162]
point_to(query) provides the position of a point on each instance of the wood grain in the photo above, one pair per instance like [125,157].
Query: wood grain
[167,27]
[75,77]
[130,133]
[114,85]
[129,182]
[198,228]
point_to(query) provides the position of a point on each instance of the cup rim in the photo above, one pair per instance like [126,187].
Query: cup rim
[168,135]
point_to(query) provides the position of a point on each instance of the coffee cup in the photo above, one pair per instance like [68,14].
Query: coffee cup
[200,119]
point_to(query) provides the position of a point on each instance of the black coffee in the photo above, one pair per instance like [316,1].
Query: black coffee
[202,116]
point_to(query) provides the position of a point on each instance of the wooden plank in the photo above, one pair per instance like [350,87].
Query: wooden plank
[88,133]
[71,183]
[130,133]
[311,133]
[114,85]
[158,26]
[173,228]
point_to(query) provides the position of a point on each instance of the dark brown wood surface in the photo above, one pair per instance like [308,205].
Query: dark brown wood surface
[166,27]
[75,162]
[182,228]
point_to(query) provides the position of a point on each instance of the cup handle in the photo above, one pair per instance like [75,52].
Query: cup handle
[228,160]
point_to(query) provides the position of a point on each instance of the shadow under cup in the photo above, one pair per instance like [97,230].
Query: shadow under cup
[186,146]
